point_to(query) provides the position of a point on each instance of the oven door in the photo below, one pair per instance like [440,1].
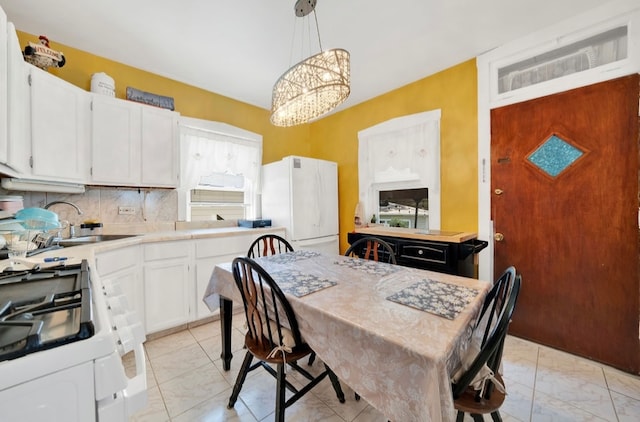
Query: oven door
[65,395]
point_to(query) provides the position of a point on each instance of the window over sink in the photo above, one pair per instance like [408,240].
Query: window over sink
[219,171]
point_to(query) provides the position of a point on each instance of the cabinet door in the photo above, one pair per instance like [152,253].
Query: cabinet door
[159,147]
[168,284]
[122,267]
[19,107]
[115,141]
[167,293]
[58,127]
[4,132]
[211,252]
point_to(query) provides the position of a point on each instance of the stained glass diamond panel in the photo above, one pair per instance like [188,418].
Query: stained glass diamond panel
[554,156]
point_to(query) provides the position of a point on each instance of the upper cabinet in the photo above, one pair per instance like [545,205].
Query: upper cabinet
[115,141]
[4,132]
[59,128]
[54,131]
[46,121]
[159,147]
[19,107]
[133,144]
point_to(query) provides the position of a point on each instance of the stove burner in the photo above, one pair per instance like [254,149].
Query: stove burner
[44,309]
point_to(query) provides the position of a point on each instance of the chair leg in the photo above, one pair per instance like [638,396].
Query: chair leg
[356,396]
[477,418]
[496,416]
[335,383]
[460,416]
[312,358]
[280,394]
[242,375]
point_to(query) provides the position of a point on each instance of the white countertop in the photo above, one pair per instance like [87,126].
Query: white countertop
[87,251]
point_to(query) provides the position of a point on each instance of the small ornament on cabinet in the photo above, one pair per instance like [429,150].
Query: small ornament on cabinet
[43,56]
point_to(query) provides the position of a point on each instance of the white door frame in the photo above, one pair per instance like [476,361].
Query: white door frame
[598,19]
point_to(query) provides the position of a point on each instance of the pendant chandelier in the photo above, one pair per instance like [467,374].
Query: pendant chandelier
[313,87]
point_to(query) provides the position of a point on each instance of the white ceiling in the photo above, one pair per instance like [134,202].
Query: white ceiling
[239,48]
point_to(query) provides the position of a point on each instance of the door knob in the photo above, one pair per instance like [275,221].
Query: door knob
[498,191]
[499,237]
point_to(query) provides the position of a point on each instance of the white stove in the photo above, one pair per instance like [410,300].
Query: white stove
[66,364]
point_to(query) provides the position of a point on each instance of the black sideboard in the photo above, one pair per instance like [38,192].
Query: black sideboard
[451,257]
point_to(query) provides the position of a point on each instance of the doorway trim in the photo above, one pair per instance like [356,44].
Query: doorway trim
[596,20]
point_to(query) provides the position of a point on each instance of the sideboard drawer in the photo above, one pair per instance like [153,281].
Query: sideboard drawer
[436,253]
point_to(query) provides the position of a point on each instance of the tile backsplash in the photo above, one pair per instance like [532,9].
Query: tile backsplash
[101,204]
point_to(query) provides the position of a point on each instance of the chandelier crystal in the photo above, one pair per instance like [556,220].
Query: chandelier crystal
[314,86]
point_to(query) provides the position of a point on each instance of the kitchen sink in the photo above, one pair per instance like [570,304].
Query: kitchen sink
[85,240]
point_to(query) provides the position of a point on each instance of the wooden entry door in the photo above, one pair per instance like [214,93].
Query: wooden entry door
[565,209]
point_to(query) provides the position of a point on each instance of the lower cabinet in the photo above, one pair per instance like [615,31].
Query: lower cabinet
[213,251]
[164,282]
[120,269]
[168,289]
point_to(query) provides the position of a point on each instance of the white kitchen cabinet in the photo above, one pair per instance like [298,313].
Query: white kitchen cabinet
[121,269]
[19,106]
[59,128]
[133,144]
[115,141]
[168,290]
[159,147]
[4,80]
[217,250]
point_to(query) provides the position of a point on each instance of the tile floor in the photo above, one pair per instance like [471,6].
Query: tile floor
[186,383]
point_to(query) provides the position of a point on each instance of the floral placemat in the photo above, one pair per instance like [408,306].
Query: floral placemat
[368,266]
[288,257]
[445,300]
[299,284]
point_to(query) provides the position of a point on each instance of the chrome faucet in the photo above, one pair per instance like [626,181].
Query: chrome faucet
[46,207]
[72,231]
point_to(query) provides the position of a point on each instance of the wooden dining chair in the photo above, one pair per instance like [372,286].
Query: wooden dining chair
[372,248]
[273,336]
[268,244]
[478,387]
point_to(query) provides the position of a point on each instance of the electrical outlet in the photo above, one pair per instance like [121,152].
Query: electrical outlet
[126,210]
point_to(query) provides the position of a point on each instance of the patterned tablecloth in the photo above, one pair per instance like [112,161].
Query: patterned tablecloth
[394,334]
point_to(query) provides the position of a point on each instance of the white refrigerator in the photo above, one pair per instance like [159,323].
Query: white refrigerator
[301,195]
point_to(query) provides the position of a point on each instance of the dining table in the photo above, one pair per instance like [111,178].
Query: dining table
[394,334]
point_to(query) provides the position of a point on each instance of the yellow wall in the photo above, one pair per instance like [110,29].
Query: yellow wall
[189,100]
[335,137]
[453,91]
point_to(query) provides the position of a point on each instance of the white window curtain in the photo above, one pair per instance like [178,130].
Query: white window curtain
[219,156]
[211,154]
[401,153]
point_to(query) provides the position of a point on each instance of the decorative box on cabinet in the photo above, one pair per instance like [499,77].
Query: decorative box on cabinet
[451,253]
